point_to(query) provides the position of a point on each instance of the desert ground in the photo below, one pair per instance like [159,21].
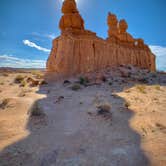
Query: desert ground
[113,118]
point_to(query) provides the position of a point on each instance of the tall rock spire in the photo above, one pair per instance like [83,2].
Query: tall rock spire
[71,19]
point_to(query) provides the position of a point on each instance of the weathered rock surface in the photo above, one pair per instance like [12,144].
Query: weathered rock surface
[79,51]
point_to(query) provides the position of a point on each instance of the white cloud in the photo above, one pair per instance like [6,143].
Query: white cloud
[49,36]
[34,45]
[158,50]
[12,61]
[160,53]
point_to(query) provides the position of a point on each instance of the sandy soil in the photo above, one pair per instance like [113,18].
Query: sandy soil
[70,131]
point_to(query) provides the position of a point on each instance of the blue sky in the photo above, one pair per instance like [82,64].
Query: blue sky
[28,27]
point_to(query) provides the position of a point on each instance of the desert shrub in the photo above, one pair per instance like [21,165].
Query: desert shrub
[104,108]
[75,87]
[19,79]
[1,83]
[127,104]
[4,103]
[23,83]
[36,110]
[157,87]
[141,88]
[43,82]
[83,80]
[66,82]
[5,74]
[37,74]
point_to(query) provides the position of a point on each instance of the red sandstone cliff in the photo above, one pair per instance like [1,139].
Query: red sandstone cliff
[79,51]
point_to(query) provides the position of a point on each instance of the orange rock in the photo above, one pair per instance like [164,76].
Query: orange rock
[79,51]
[123,35]
[71,18]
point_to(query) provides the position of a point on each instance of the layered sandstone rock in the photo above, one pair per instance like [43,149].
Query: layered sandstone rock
[79,51]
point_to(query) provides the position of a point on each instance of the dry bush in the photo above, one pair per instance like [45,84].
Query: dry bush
[83,81]
[127,104]
[5,74]
[43,82]
[75,87]
[37,74]
[104,108]
[4,103]
[1,83]
[23,83]
[19,79]
[141,88]
[157,87]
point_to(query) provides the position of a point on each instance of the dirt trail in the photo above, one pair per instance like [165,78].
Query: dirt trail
[68,135]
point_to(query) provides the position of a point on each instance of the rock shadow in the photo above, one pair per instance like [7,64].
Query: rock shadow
[66,135]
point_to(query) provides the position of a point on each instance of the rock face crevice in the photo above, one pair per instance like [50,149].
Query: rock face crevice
[79,51]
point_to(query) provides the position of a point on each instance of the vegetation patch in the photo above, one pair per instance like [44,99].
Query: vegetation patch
[19,79]
[127,104]
[141,88]
[157,87]
[4,103]
[5,74]
[43,82]
[37,74]
[104,109]
[75,87]
[83,81]
[23,83]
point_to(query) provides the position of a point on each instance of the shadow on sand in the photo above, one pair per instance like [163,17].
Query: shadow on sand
[67,136]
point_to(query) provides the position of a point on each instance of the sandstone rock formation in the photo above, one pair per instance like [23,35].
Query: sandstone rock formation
[79,51]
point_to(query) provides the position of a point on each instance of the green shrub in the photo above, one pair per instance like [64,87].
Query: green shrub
[83,80]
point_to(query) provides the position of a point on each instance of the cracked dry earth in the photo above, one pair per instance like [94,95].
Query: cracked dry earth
[71,133]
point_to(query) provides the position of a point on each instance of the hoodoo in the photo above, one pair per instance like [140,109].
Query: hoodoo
[79,51]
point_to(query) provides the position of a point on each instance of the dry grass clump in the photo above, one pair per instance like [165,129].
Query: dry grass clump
[36,110]
[43,82]
[32,82]
[4,103]
[75,87]
[157,87]
[37,74]
[5,74]
[141,88]
[127,104]
[104,108]
[23,83]
[1,83]
[19,79]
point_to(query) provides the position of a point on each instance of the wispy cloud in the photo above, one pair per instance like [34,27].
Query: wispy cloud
[34,45]
[12,61]
[160,53]
[158,50]
[49,36]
